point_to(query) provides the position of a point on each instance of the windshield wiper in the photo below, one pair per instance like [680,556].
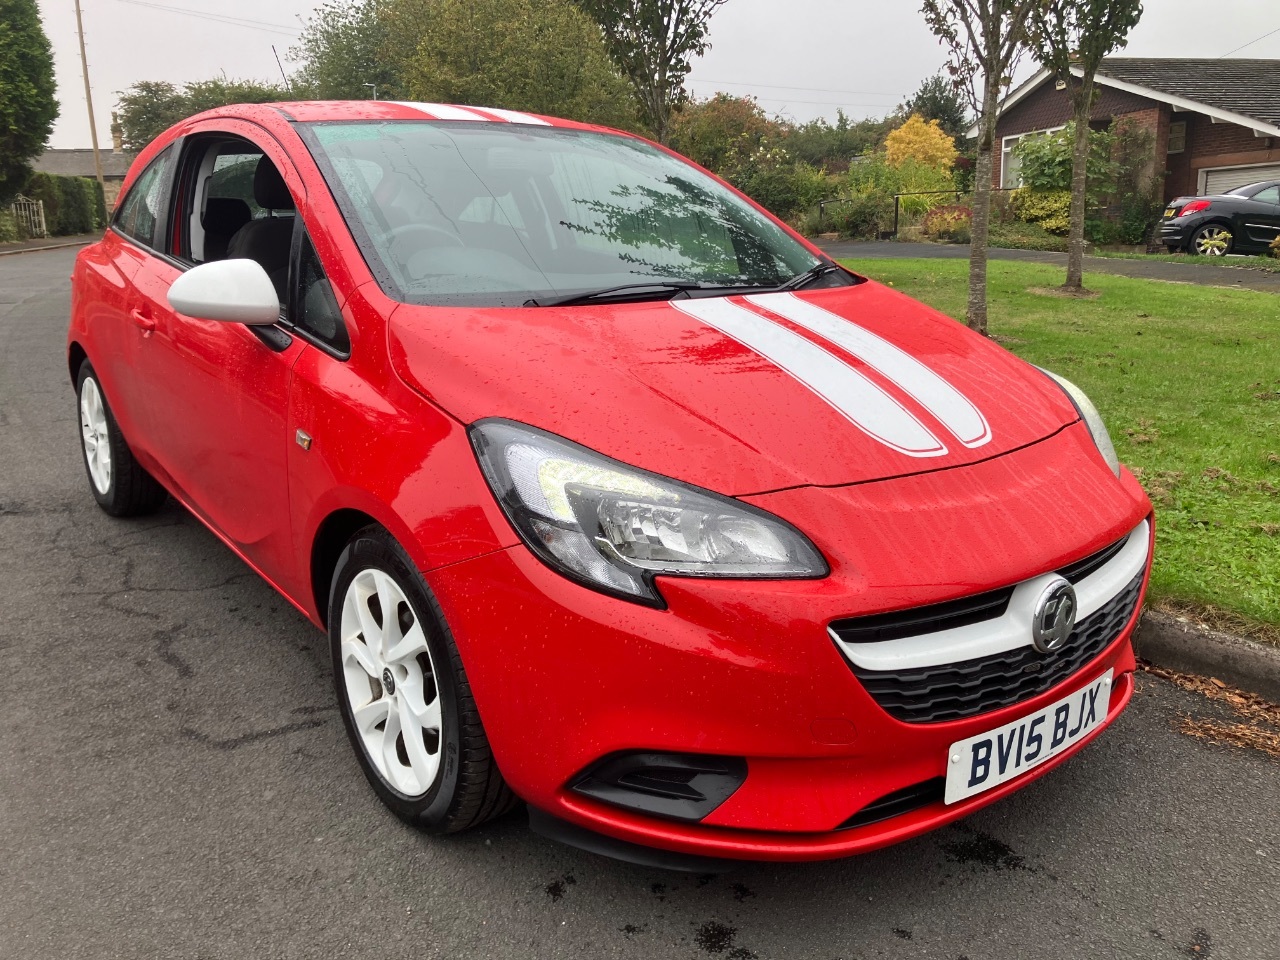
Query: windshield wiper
[622,291]
[816,272]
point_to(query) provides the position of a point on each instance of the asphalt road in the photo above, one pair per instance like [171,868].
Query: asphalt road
[1193,271]
[175,782]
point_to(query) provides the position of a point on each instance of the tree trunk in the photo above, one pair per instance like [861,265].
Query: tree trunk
[976,314]
[1079,196]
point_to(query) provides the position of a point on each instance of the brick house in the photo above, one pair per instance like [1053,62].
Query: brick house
[1216,122]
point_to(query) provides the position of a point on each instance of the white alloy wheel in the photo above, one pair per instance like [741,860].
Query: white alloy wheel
[1212,241]
[93,431]
[390,683]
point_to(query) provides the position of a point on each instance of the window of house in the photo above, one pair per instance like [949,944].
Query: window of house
[1010,164]
[1178,136]
[140,210]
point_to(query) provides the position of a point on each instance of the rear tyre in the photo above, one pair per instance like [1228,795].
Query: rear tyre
[1211,240]
[404,695]
[117,481]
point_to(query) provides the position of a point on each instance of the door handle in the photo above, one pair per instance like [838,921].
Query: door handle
[142,317]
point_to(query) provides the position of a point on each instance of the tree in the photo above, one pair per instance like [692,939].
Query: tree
[833,146]
[343,52]
[150,107]
[652,43]
[146,110]
[939,99]
[1073,36]
[543,56]
[709,131]
[984,40]
[924,142]
[28,102]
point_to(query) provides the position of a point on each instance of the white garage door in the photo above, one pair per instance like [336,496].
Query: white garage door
[1228,178]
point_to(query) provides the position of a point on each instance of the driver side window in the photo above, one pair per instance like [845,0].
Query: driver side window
[1269,195]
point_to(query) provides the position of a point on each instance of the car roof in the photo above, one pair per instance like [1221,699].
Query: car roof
[319,111]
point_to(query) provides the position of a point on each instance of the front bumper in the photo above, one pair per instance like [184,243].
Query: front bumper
[564,676]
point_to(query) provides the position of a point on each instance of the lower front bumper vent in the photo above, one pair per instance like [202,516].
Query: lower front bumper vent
[953,691]
[899,802]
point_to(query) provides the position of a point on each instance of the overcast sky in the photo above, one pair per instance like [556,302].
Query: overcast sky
[800,58]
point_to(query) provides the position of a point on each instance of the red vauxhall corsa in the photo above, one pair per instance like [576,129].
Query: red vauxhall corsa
[613,494]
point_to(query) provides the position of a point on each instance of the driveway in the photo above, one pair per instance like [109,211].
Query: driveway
[1193,272]
[175,782]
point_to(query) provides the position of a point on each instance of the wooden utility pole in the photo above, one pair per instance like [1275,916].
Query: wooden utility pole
[88,99]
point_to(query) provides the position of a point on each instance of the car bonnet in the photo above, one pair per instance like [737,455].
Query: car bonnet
[739,394]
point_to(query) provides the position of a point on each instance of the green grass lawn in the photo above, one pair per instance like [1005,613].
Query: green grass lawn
[1269,264]
[1188,381]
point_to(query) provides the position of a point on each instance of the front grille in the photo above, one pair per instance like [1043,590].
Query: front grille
[952,691]
[918,621]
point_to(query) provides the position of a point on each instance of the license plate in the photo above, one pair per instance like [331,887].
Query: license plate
[992,758]
[1168,214]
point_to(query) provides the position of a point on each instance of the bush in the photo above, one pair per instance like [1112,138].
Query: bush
[950,222]
[1275,248]
[1122,201]
[771,177]
[71,204]
[864,217]
[1025,236]
[8,227]
[1050,209]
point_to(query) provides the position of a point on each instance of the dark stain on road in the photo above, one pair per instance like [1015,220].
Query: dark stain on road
[659,890]
[741,891]
[630,929]
[981,850]
[232,742]
[1200,944]
[715,937]
[556,888]
[901,934]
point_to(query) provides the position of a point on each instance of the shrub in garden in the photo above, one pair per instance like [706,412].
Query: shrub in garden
[8,227]
[1025,236]
[1050,209]
[864,217]
[771,177]
[1275,248]
[1121,198]
[949,222]
[71,204]
[875,175]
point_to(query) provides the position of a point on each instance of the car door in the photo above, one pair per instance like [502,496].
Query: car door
[1261,217]
[221,390]
[111,306]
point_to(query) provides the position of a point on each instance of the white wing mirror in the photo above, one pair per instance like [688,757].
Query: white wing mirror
[234,291]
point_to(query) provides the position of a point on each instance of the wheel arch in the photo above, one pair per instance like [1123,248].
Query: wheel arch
[333,534]
[76,356]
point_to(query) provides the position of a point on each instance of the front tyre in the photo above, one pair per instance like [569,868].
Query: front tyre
[404,695]
[118,482]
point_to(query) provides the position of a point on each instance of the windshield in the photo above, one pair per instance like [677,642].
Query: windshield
[490,214]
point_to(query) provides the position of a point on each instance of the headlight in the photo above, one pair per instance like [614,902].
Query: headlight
[613,527]
[1093,420]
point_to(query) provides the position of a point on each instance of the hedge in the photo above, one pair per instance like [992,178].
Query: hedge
[72,205]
